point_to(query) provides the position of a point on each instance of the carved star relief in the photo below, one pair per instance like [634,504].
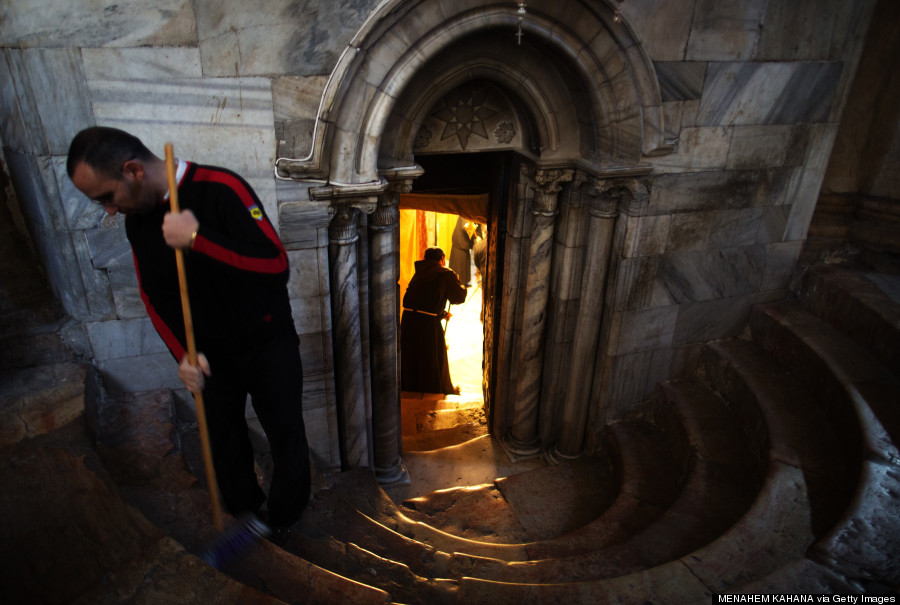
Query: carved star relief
[463,114]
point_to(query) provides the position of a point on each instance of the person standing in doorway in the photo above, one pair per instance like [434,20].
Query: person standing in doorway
[462,240]
[237,272]
[424,367]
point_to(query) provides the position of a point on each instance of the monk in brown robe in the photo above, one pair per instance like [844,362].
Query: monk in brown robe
[423,352]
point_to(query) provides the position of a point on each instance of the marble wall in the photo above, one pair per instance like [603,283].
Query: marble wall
[751,95]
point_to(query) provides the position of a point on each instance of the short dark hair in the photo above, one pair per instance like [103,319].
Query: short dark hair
[434,254]
[105,149]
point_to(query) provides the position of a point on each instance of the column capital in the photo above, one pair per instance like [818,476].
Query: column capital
[343,227]
[630,195]
[387,212]
[548,182]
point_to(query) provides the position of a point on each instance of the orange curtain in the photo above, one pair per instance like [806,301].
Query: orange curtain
[420,229]
[428,220]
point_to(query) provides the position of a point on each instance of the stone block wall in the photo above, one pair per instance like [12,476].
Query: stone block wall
[752,94]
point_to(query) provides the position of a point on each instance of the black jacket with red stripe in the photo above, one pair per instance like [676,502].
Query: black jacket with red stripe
[237,269]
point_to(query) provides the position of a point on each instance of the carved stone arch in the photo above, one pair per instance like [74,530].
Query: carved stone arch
[540,109]
[392,49]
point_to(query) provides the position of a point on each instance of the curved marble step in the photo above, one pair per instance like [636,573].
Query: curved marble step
[718,491]
[862,544]
[139,445]
[80,543]
[859,303]
[650,476]
[326,571]
[721,486]
[357,490]
[763,546]
[841,373]
[649,487]
[799,434]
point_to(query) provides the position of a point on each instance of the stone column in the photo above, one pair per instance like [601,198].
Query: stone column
[362,273]
[602,212]
[522,440]
[506,334]
[385,264]
[348,369]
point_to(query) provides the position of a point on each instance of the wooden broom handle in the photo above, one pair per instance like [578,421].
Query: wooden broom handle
[192,351]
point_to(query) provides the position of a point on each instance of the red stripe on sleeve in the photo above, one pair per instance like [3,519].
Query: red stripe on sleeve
[248,263]
[161,326]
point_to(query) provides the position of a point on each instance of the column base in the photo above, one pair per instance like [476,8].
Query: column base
[394,476]
[554,456]
[517,451]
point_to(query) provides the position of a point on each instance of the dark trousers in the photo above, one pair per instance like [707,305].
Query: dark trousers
[272,374]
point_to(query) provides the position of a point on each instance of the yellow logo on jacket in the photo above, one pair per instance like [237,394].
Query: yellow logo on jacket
[256,213]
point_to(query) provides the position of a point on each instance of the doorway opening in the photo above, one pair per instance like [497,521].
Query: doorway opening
[453,206]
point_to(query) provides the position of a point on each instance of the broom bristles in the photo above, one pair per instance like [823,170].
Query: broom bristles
[235,541]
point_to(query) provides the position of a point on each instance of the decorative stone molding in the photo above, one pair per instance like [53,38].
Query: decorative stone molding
[360,94]
[362,196]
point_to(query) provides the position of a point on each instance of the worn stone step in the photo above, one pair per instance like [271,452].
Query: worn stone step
[839,372]
[37,400]
[464,428]
[773,532]
[650,477]
[863,544]
[139,442]
[768,540]
[143,449]
[799,432]
[719,489]
[800,576]
[37,336]
[714,461]
[836,370]
[334,519]
[353,562]
[367,498]
[535,505]
[860,303]
[413,539]
[477,512]
[669,583]
[78,542]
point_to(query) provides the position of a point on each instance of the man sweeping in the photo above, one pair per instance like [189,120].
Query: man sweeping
[237,273]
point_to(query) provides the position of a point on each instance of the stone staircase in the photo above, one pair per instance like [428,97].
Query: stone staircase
[774,469]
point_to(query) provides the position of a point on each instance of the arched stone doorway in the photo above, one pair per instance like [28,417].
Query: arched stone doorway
[583,107]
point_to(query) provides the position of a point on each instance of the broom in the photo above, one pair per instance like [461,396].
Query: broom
[229,545]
